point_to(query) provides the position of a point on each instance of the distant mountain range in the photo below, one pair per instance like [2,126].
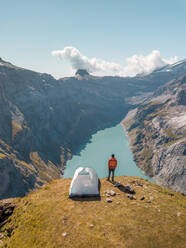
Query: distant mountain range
[43,121]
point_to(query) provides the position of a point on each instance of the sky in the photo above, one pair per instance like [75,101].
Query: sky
[106,37]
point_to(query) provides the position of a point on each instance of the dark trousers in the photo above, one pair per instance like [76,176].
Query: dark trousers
[111,170]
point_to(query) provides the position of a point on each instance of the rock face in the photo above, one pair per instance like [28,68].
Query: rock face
[43,121]
[157,132]
[82,73]
[6,210]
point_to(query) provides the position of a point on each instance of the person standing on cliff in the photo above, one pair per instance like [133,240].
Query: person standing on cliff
[112,164]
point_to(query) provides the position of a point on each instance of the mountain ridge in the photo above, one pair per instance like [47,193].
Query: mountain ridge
[157,133]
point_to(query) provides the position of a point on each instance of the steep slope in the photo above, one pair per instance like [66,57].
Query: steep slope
[43,121]
[157,132]
[48,218]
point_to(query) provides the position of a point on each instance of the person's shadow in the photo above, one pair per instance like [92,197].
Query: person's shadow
[124,188]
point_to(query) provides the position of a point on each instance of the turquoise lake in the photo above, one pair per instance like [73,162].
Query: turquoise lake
[96,154]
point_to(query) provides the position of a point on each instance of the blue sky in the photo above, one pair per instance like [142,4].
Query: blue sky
[111,30]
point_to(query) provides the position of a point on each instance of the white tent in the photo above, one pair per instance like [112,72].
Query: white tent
[84,183]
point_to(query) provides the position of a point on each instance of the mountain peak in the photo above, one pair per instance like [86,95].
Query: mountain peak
[1,60]
[82,73]
[5,63]
[179,65]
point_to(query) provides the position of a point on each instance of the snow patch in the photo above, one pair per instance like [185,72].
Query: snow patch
[179,121]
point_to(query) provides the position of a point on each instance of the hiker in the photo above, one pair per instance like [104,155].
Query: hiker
[112,164]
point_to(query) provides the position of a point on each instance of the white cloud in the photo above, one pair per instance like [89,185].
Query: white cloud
[146,64]
[134,65]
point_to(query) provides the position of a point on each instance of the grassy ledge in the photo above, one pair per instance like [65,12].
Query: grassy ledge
[48,218]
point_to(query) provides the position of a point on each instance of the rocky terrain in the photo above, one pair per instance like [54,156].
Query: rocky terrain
[145,216]
[43,121]
[157,132]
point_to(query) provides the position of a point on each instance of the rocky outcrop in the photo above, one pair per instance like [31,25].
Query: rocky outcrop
[43,121]
[6,210]
[82,74]
[157,133]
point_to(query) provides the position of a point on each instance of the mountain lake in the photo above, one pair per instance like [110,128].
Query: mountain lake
[96,153]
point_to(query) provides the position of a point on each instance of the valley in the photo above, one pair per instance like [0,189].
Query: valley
[44,121]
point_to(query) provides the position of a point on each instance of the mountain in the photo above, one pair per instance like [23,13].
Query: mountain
[43,121]
[152,217]
[173,68]
[82,74]
[157,132]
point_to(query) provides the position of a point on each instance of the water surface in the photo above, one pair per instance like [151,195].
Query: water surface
[96,154]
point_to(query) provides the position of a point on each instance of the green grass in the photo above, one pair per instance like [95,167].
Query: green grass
[2,155]
[41,217]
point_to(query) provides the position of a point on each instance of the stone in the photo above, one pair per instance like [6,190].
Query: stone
[139,184]
[128,187]
[108,200]
[178,214]
[131,197]
[136,183]
[142,198]
[64,234]
[91,225]
[110,193]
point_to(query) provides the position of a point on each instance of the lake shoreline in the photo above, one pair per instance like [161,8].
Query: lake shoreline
[97,151]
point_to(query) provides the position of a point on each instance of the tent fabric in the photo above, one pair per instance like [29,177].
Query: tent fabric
[85,182]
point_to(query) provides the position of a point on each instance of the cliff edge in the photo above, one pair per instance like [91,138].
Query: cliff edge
[157,133]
